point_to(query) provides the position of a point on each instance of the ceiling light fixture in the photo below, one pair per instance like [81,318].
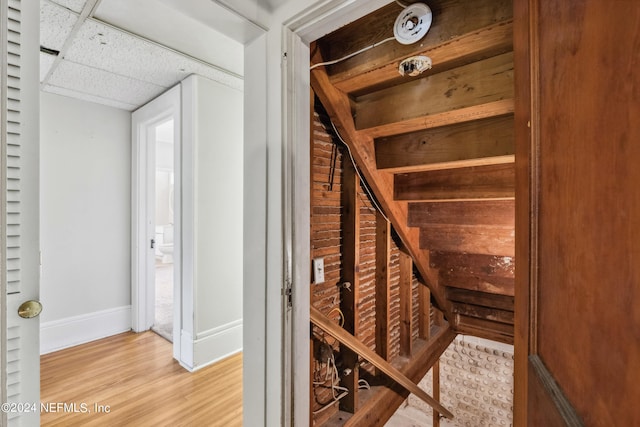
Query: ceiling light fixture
[413,23]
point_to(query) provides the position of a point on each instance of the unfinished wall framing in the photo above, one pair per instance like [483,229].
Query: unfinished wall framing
[437,152]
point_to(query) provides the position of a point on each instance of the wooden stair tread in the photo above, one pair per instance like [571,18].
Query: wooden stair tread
[477,182]
[475,212]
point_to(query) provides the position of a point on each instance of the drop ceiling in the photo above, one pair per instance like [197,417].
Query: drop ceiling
[124,53]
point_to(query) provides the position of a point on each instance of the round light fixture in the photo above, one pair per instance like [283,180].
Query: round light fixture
[413,23]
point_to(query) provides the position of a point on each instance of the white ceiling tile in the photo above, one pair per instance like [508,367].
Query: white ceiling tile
[55,25]
[104,47]
[194,27]
[46,61]
[75,5]
[103,84]
[90,98]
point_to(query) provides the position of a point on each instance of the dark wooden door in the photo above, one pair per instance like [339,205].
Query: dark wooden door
[578,212]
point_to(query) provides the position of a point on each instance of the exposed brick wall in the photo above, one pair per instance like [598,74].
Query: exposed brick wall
[326,242]
[325,235]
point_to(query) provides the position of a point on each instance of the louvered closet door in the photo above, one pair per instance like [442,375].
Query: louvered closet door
[19,212]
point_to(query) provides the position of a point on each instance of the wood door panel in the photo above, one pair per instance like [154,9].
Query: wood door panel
[578,210]
[547,405]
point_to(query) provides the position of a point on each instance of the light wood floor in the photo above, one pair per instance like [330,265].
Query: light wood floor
[136,376]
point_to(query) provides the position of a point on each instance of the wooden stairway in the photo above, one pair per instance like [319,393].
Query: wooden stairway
[437,151]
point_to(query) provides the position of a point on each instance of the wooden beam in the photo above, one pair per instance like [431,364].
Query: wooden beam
[502,302]
[338,107]
[460,143]
[424,314]
[452,18]
[482,182]
[445,118]
[496,331]
[456,164]
[480,239]
[474,264]
[436,391]
[383,288]
[349,296]
[348,340]
[381,406]
[406,315]
[489,212]
[473,84]
[493,314]
[492,285]
[471,47]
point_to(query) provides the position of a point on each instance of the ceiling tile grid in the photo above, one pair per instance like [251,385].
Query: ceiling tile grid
[101,46]
[101,63]
[103,84]
[75,5]
[90,98]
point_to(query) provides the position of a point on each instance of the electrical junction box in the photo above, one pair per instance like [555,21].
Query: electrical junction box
[318,270]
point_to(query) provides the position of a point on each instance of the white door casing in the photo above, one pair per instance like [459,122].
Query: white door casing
[298,33]
[19,211]
[144,120]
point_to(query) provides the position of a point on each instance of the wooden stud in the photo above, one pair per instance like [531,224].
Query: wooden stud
[350,341]
[406,317]
[424,315]
[351,276]
[383,294]
[435,371]
[465,143]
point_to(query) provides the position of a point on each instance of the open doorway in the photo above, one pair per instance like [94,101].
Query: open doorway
[164,230]
[156,288]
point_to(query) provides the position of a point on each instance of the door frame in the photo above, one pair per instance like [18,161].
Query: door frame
[167,105]
[297,34]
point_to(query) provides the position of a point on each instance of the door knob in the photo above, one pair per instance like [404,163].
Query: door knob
[29,309]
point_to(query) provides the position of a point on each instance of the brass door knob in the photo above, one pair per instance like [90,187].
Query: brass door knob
[29,309]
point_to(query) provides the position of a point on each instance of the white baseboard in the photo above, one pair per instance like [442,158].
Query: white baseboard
[59,334]
[211,346]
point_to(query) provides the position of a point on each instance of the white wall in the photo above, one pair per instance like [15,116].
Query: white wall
[212,142]
[85,221]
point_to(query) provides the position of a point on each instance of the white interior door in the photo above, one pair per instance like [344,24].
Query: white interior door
[19,212]
[144,123]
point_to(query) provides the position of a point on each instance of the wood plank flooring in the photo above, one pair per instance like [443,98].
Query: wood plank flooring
[135,376]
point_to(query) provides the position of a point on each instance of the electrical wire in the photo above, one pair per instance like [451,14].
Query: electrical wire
[334,377]
[362,180]
[362,383]
[364,49]
[341,315]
